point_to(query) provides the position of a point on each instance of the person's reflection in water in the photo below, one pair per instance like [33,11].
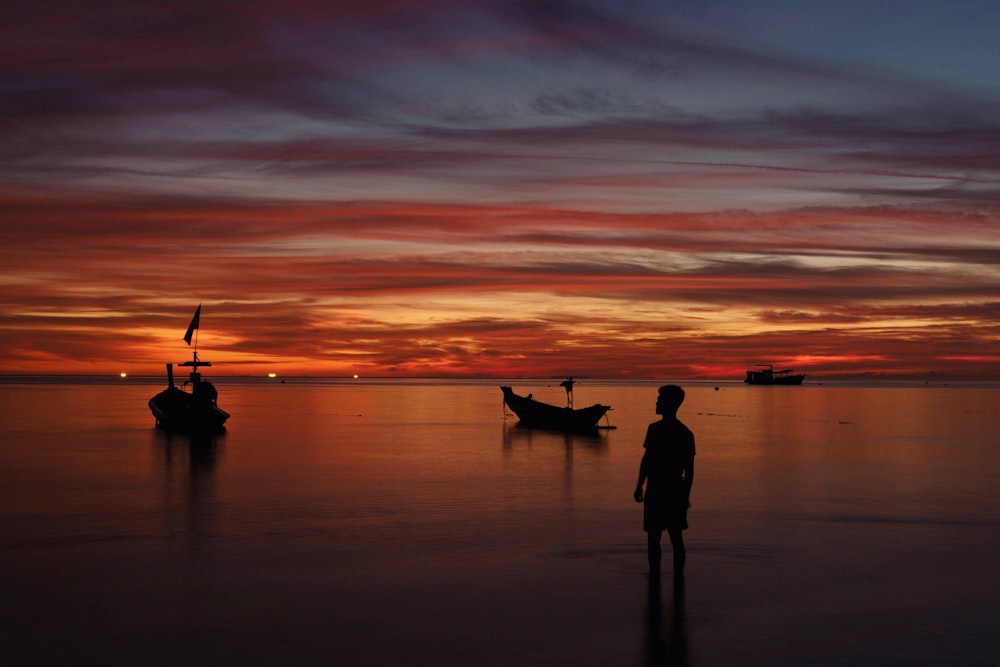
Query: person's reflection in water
[667,468]
[665,644]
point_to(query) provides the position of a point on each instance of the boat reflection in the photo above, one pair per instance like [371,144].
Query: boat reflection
[519,436]
[189,464]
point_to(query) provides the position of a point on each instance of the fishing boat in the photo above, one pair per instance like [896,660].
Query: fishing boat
[194,411]
[536,414]
[767,375]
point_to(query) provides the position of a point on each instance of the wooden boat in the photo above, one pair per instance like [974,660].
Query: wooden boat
[194,411]
[536,414]
[770,376]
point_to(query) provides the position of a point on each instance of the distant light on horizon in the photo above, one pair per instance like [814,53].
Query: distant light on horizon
[272,375]
[123,374]
[355,376]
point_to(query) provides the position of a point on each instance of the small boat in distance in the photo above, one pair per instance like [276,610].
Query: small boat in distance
[195,411]
[770,376]
[536,414]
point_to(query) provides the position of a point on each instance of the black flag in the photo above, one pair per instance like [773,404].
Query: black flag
[193,325]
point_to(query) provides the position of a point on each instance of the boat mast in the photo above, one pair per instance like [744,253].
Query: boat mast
[193,328]
[195,375]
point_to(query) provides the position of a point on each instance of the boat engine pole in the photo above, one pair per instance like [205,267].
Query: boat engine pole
[170,375]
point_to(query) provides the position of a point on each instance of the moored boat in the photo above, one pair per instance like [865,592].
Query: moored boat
[770,376]
[194,411]
[536,414]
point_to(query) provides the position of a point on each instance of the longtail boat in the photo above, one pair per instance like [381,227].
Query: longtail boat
[194,411]
[536,414]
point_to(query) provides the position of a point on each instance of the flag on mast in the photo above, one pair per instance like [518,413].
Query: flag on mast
[194,325]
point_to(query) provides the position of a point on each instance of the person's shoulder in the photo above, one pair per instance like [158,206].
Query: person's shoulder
[651,434]
[656,427]
[669,427]
[684,430]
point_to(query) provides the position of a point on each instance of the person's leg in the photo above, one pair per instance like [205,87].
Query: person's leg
[680,555]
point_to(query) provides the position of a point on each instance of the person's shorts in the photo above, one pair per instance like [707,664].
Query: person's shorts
[664,510]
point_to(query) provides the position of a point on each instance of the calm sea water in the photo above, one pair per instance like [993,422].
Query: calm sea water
[367,523]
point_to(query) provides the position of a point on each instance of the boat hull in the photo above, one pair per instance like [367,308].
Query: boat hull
[535,414]
[181,412]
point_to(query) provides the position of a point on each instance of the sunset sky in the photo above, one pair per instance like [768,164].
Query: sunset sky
[499,188]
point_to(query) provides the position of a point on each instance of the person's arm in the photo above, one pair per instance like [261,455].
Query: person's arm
[643,472]
[689,474]
[689,480]
[642,478]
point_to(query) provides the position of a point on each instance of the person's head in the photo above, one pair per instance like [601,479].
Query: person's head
[669,399]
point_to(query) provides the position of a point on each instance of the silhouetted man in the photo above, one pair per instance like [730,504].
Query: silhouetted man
[567,384]
[667,468]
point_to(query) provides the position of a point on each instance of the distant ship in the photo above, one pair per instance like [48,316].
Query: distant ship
[770,376]
[194,411]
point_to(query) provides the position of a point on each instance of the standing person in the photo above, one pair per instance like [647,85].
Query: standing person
[667,468]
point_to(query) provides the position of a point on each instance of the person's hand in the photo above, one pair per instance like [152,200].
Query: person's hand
[638,494]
